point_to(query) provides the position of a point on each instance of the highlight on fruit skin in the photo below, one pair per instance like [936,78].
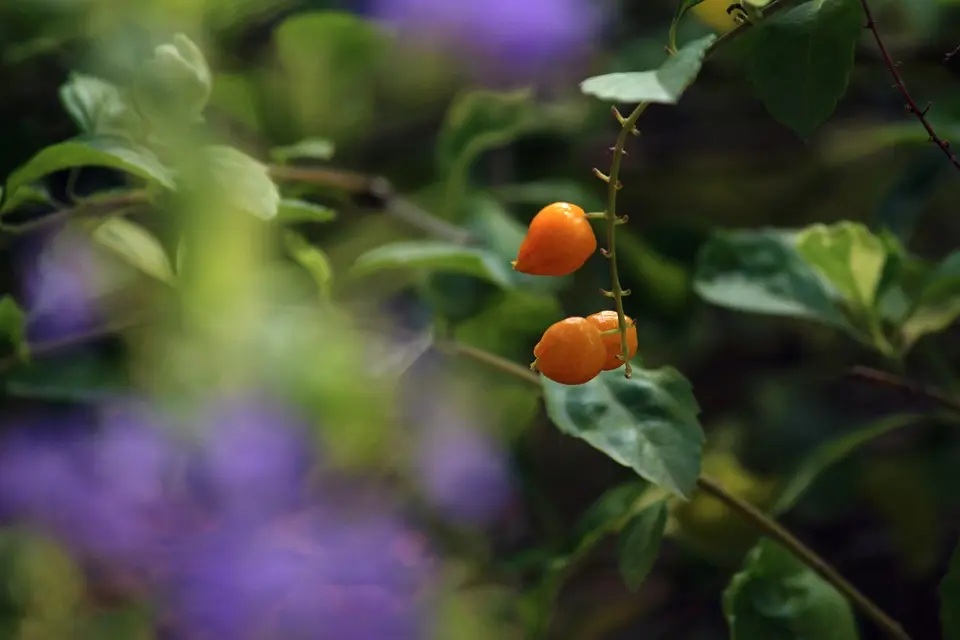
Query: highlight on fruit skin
[558,242]
[570,352]
[607,321]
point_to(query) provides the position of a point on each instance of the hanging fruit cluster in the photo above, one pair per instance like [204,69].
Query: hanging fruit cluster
[575,350]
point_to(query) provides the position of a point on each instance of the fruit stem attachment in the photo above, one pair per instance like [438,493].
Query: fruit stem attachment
[627,126]
[770,528]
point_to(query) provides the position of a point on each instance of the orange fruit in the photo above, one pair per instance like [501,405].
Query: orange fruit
[607,321]
[570,352]
[558,242]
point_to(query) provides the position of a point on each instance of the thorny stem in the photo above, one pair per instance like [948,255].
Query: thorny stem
[771,528]
[613,186]
[912,107]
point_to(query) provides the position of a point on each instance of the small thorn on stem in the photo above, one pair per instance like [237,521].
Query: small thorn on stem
[604,252]
[607,294]
[622,219]
[601,175]
[626,292]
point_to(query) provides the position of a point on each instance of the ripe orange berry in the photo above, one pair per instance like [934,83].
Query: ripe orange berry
[570,352]
[607,321]
[558,242]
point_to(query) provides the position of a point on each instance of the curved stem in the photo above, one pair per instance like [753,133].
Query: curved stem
[769,527]
[613,186]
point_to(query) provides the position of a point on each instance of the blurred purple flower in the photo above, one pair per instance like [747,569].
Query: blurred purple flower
[464,474]
[253,460]
[63,283]
[313,576]
[519,36]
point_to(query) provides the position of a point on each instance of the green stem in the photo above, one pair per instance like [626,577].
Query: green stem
[768,526]
[613,186]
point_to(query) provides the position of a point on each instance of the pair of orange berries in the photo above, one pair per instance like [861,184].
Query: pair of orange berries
[575,350]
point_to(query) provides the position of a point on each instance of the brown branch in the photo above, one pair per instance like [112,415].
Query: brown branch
[905,386]
[911,104]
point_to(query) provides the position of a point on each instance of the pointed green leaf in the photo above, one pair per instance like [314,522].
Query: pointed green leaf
[244,182]
[97,106]
[293,211]
[640,544]
[777,597]
[832,452]
[434,256]
[762,272]
[91,151]
[801,60]
[308,148]
[481,120]
[136,246]
[311,258]
[950,598]
[664,85]
[849,256]
[648,422]
[938,304]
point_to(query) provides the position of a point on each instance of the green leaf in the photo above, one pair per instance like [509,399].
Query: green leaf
[90,151]
[136,246]
[543,192]
[12,327]
[647,422]
[640,544]
[434,256]
[245,182]
[801,60]
[950,598]
[830,453]
[78,378]
[664,85]
[311,258]
[292,211]
[481,120]
[849,256]
[938,303]
[97,106]
[761,272]
[777,597]
[308,148]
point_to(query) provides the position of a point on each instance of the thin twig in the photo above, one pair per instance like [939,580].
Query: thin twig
[378,188]
[906,386]
[768,526]
[98,206]
[911,106]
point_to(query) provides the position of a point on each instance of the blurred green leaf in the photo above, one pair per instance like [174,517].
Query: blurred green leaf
[235,94]
[97,106]
[12,327]
[664,85]
[640,544]
[950,598]
[507,325]
[243,181]
[848,256]
[762,272]
[938,304]
[175,84]
[293,211]
[434,256]
[311,258]
[800,61]
[329,62]
[832,452]
[308,148]
[77,378]
[136,246]
[543,192]
[89,151]
[647,422]
[777,597]
[481,120]
[615,506]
